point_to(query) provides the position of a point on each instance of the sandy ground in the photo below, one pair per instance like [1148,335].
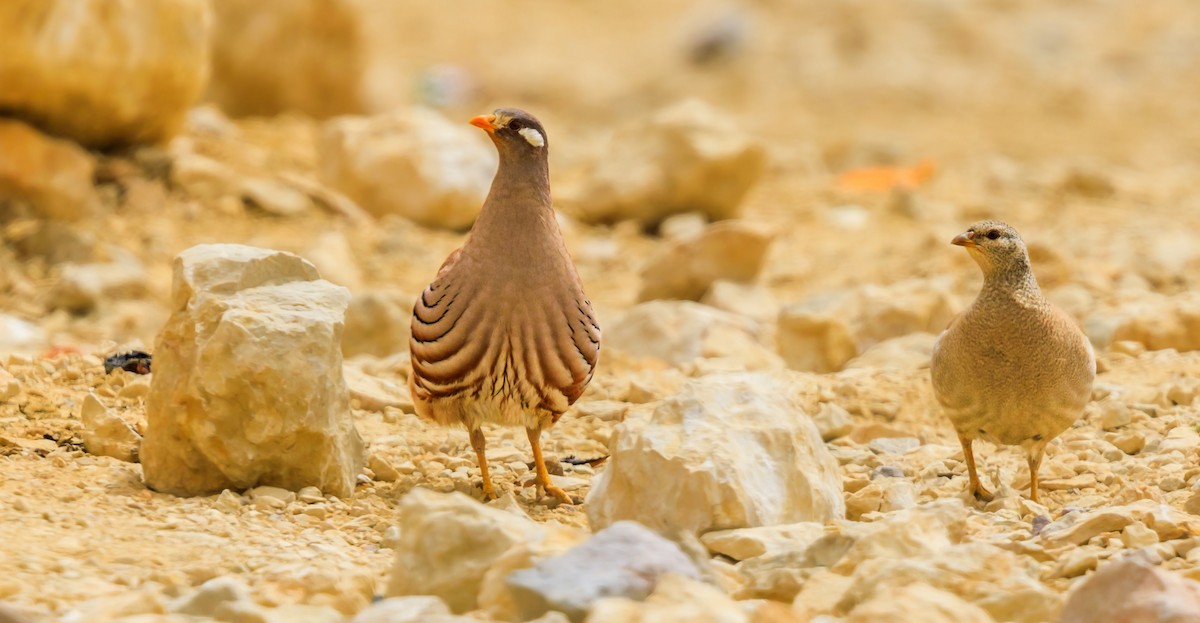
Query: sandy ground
[1076,124]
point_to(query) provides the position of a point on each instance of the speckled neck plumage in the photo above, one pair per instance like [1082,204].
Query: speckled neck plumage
[1012,283]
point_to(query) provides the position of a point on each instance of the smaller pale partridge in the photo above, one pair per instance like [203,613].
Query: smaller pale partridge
[1011,369]
[505,334]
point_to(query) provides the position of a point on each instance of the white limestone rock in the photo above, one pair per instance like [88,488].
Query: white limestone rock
[105,433]
[623,560]
[738,450]
[231,405]
[448,542]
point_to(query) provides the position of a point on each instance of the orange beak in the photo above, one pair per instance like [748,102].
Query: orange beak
[964,239]
[485,122]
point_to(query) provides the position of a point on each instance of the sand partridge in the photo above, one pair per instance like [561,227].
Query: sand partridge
[505,334]
[1011,369]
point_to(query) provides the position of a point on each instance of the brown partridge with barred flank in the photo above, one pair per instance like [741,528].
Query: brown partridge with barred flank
[1012,369]
[505,334]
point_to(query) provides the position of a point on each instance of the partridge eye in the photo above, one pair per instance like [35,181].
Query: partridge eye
[993,234]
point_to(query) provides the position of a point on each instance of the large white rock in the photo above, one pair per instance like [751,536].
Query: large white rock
[413,163]
[448,542]
[728,451]
[53,176]
[680,332]
[687,157]
[1129,590]
[686,268]
[248,385]
[623,560]
[103,73]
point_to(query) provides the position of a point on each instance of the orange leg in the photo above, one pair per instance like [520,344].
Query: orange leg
[1035,462]
[976,487]
[543,476]
[480,445]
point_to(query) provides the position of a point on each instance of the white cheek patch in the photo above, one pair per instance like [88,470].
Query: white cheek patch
[532,136]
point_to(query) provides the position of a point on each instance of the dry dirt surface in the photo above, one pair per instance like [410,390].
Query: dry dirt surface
[1076,123]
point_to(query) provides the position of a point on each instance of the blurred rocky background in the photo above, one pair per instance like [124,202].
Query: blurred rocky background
[759,196]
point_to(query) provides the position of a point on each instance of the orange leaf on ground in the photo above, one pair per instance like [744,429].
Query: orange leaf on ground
[884,179]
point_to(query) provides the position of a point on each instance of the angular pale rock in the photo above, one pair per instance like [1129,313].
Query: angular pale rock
[911,533]
[814,341]
[739,451]
[377,323]
[1079,527]
[686,268]
[375,394]
[623,560]
[1000,582]
[448,542]
[685,158]
[211,596]
[681,332]
[231,406]
[495,596]
[745,543]
[106,434]
[51,175]
[1170,323]
[833,421]
[787,567]
[417,609]
[413,163]
[677,598]
[917,602]
[1129,590]
[63,60]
